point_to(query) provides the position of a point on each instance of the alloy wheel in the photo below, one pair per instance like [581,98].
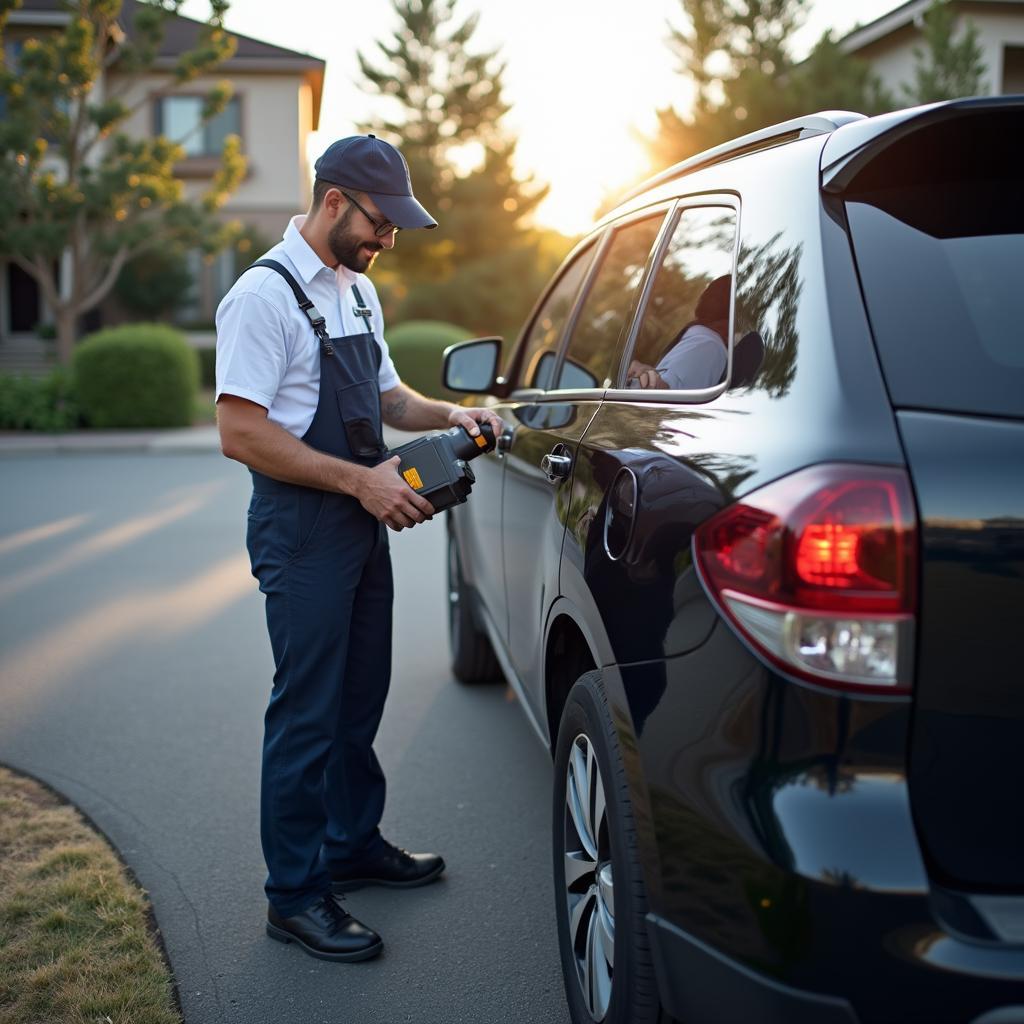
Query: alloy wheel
[589,882]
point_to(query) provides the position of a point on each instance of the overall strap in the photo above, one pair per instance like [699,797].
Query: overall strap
[361,308]
[317,322]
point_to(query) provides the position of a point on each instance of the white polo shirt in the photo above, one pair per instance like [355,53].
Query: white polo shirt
[266,349]
[697,360]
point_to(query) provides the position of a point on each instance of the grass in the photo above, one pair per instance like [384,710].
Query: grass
[75,939]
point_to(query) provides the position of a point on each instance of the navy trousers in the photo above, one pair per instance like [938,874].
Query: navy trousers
[323,563]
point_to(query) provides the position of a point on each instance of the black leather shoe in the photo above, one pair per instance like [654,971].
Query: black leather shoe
[393,867]
[326,931]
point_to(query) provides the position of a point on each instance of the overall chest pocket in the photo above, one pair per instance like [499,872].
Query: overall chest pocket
[359,405]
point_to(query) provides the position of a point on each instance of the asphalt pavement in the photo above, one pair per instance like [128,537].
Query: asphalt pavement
[134,672]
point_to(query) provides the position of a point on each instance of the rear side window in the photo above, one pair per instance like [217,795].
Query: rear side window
[595,348]
[937,223]
[538,359]
[684,334]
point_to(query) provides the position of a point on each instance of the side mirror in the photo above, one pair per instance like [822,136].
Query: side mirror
[472,366]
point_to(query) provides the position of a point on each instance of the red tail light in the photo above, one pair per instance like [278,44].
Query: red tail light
[816,571]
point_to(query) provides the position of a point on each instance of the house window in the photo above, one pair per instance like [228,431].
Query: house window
[1013,69]
[180,118]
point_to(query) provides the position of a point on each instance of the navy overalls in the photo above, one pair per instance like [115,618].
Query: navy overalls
[323,563]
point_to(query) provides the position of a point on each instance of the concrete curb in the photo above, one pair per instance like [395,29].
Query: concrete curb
[151,442]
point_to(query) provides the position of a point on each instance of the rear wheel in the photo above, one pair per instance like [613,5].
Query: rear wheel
[599,888]
[472,657]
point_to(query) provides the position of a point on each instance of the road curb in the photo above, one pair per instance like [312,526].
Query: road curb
[149,442]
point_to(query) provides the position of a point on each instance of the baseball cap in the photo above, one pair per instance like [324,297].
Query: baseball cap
[364,163]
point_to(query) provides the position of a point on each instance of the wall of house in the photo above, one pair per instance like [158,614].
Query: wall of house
[1000,29]
[276,117]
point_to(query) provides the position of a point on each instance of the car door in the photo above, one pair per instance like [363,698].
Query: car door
[573,365]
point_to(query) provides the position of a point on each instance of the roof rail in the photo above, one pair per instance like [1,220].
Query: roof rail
[822,123]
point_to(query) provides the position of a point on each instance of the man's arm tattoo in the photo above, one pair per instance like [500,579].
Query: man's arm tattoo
[395,409]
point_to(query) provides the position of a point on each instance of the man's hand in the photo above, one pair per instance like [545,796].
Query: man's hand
[469,418]
[388,498]
[646,376]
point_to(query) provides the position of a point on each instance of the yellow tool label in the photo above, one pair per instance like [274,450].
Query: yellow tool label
[412,478]
[481,441]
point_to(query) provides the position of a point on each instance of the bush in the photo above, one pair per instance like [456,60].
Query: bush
[207,367]
[155,284]
[416,348]
[137,375]
[38,403]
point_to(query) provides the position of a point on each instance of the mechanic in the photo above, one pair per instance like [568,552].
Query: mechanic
[304,381]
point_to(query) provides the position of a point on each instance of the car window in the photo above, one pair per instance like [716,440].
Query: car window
[595,347]
[538,356]
[682,342]
[937,222]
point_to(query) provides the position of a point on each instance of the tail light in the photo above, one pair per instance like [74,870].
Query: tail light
[817,573]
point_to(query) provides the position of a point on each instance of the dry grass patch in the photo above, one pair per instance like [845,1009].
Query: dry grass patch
[75,945]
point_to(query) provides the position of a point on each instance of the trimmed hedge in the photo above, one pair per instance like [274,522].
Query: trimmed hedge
[38,403]
[137,375]
[416,347]
[207,367]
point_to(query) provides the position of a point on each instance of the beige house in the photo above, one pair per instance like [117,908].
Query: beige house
[888,42]
[276,104]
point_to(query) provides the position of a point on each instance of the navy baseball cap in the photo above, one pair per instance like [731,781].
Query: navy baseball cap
[364,163]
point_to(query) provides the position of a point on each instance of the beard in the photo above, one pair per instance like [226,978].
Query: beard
[350,250]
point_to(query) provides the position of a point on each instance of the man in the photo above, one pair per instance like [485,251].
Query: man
[304,381]
[698,358]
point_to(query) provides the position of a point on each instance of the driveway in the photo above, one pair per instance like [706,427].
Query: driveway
[134,671]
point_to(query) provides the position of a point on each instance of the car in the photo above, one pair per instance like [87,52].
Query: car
[765,619]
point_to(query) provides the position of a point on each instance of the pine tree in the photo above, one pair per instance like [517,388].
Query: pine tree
[946,68]
[74,190]
[440,96]
[738,55]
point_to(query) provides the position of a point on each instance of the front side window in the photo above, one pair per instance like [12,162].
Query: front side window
[683,340]
[538,358]
[180,118]
[598,335]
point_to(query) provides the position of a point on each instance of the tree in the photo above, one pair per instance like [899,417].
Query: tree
[738,55]
[78,198]
[442,101]
[945,67]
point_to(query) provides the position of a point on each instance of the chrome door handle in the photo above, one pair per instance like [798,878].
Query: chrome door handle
[556,467]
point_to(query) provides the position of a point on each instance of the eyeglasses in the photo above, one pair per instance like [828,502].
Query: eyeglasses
[381,228]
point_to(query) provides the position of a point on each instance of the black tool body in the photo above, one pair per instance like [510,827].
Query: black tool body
[437,466]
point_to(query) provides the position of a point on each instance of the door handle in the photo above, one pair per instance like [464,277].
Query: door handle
[504,442]
[556,466]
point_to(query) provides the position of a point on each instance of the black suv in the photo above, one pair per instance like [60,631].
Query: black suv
[751,553]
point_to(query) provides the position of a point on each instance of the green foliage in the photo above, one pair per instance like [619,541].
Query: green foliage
[38,403]
[447,99]
[108,197]
[155,283]
[416,347]
[946,68]
[137,375]
[207,367]
[737,54]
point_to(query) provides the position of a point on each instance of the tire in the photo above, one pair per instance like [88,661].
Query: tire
[603,907]
[472,657]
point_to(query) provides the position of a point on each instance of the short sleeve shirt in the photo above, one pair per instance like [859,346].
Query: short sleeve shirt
[697,360]
[266,349]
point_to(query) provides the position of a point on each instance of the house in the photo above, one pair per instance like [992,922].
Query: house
[888,42]
[276,104]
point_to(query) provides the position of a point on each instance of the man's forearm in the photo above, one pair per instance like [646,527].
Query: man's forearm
[269,449]
[406,409]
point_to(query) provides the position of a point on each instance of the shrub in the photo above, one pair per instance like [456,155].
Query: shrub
[416,347]
[207,367]
[155,283]
[38,403]
[137,375]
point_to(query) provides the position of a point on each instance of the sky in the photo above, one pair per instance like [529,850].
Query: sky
[584,77]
